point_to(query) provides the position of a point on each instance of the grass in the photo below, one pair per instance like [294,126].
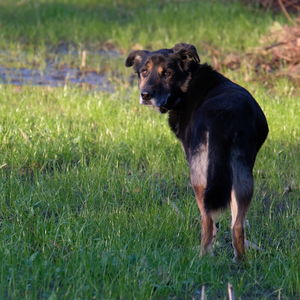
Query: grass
[95,197]
[39,25]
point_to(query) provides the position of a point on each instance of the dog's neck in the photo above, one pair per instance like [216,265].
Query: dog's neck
[203,80]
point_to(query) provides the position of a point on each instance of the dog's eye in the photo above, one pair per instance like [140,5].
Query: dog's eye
[167,73]
[144,72]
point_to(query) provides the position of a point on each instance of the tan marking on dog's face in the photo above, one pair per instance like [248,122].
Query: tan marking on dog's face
[160,70]
[142,82]
[150,65]
[144,74]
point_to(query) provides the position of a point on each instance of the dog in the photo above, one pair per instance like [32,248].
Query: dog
[220,126]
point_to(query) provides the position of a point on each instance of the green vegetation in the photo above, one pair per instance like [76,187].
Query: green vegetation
[95,199]
[39,25]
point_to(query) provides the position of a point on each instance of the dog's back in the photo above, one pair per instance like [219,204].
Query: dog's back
[222,128]
[220,125]
[228,123]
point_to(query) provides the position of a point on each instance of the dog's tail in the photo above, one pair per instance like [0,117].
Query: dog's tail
[219,175]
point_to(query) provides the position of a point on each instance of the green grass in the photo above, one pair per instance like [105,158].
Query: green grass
[95,199]
[40,25]
[96,202]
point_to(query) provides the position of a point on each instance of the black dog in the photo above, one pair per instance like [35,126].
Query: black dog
[220,125]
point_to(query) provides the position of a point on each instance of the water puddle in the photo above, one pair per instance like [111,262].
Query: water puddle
[56,76]
[51,76]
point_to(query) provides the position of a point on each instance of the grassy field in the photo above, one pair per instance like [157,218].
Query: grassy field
[95,198]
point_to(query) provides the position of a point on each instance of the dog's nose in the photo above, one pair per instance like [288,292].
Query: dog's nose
[146,96]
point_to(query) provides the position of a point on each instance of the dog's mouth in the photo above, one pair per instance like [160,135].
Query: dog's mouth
[161,108]
[167,105]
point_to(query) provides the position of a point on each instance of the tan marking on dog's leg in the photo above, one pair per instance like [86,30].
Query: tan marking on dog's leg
[233,208]
[238,240]
[207,225]
[199,164]
[234,212]
[241,194]
[238,213]
[198,168]
[207,236]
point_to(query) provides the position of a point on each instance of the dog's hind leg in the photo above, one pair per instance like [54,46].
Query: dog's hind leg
[208,227]
[198,168]
[241,195]
[238,214]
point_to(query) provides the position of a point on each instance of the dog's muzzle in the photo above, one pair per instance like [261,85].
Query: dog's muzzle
[147,98]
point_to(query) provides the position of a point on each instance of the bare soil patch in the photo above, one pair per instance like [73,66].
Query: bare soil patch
[278,53]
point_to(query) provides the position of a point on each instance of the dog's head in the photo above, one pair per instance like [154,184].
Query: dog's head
[164,75]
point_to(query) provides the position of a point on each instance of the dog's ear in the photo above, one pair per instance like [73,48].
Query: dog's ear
[187,54]
[135,58]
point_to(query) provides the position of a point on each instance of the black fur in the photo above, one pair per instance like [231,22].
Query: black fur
[199,100]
